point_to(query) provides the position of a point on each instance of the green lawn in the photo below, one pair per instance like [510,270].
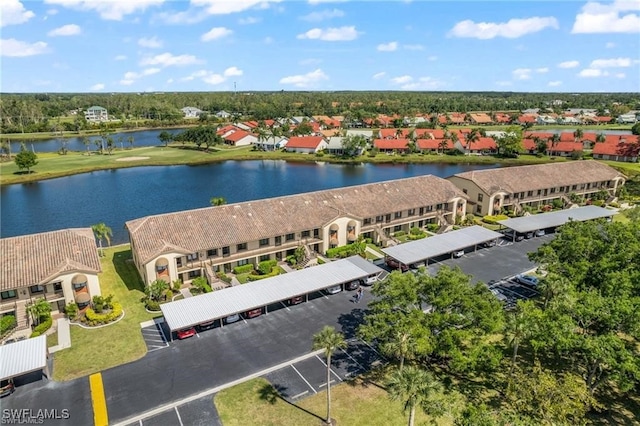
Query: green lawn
[101,348]
[353,403]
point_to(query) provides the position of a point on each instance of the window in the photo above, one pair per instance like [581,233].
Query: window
[241,247]
[194,274]
[9,294]
[522,195]
[429,208]
[465,190]
[379,219]
[480,197]
[539,191]
[264,242]
[278,240]
[191,257]
[243,262]
[226,251]
[316,232]
[421,211]
[57,286]
[306,234]
[367,221]
[387,218]
[411,212]
[515,196]
[290,237]
[553,190]
[36,289]
[179,262]
[439,206]
[212,252]
[574,187]
[529,193]
[397,215]
[264,257]
[397,228]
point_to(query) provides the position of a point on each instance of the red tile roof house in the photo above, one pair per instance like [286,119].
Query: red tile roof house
[395,133]
[480,118]
[227,130]
[434,145]
[527,118]
[625,149]
[564,148]
[484,145]
[306,144]
[391,145]
[240,138]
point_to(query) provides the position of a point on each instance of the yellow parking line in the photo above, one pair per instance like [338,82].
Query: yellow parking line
[98,400]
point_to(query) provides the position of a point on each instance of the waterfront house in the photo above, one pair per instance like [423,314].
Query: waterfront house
[306,144]
[272,143]
[96,113]
[239,138]
[191,112]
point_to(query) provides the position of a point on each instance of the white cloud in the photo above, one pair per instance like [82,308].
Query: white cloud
[610,45]
[402,79]
[423,83]
[379,75]
[322,15]
[514,28]
[52,12]
[305,80]
[216,33]
[616,17]
[232,72]
[388,47]
[522,73]
[611,63]
[14,13]
[326,1]
[569,64]
[65,30]
[168,59]
[131,76]
[96,87]
[268,40]
[592,72]
[331,34]
[19,49]
[432,58]
[169,81]
[225,7]
[120,58]
[413,47]
[151,43]
[620,75]
[555,83]
[109,10]
[249,20]
[213,79]
[542,70]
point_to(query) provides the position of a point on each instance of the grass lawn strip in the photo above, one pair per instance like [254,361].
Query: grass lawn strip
[98,349]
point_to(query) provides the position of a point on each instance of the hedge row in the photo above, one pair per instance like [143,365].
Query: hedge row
[266,266]
[42,327]
[7,322]
[243,269]
[93,318]
[273,273]
[492,220]
[343,251]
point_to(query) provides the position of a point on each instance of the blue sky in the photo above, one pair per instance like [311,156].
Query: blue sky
[210,45]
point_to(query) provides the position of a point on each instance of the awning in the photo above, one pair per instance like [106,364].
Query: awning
[162,262]
[83,298]
[79,279]
[23,357]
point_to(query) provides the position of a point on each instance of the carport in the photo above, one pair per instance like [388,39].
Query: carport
[192,311]
[23,357]
[427,248]
[524,224]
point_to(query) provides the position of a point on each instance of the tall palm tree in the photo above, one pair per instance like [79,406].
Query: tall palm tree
[414,387]
[578,134]
[402,347]
[39,310]
[472,136]
[130,140]
[329,340]
[102,231]
[600,138]
[86,142]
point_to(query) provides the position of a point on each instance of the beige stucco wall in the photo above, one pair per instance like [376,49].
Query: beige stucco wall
[472,192]
[342,223]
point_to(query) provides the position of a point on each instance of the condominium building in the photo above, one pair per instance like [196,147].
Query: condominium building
[188,244]
[511,188]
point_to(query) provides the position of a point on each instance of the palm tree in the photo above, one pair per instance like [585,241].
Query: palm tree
[554,141]
[472,136]
[414,387]
[402,347]
[102,231]
[39,310]
[218,201]
[329,340]
[578,134]
[600,138]
[130,140]
[86,142]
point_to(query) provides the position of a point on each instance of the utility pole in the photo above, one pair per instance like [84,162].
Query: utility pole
[234,87]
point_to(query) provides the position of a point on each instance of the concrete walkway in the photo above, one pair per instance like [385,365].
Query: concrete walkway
[64,335]
[373,252]
[185,292]
[286,267]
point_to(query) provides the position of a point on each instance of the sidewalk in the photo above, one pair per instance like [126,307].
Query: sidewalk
[64,335]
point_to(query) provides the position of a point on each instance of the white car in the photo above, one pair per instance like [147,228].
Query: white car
[334,289]
[498,294]
[458,253]
[539,233]
[232,318]
[528,280]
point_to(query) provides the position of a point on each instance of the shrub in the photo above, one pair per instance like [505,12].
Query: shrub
[614,204]
[291,260]
[177,284]
[224,277]
[243,269]
[168,295]
[598,203]
[320,261]
[432,227]
[399,234]
[557,203]
[273,273]
[95,318]
[152,305]
[43,326]
[266,266]
[7,322]
[492,220]
[71,310]
[416,231]
[319,154]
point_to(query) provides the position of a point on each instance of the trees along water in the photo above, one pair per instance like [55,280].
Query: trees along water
[102,231]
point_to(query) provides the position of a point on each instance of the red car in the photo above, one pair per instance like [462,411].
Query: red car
[296,300]
[394,264]
[187,332]
[253,313]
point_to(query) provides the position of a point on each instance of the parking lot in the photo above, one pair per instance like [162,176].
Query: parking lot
[155,336]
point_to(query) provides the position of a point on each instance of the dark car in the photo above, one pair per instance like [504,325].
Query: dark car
[253,313]
[353,285]
[489,243]
[186,333]
[6,388]
[528,235]
[394,264]
[296,300]
[206,325]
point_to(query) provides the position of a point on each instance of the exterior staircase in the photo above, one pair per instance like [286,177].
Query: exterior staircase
[214,282]
[385,241]
[22,316]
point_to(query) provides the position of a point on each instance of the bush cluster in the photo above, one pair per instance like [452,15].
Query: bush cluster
[42,327]
[243,269]
[266,266]
[273,273]
[343,251]
[399,234]
[7,322]
[492,220]
[152,305]
[224,277]
[92,318]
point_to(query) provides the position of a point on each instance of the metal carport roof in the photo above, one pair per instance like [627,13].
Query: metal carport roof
[222,303]
[553,219]
[23,357]
[427,248]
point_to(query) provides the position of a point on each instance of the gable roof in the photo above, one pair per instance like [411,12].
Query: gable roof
[37,258]
[214,227]
[237,135]
[539,176]
[391,143]
[304,141]
[480,118]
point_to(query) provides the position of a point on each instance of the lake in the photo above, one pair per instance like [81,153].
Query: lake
[116,196]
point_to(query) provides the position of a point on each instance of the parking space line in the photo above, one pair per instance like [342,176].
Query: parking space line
[179,418]
[166,341]
[299,395]
[373,349]
[353,359]
[324,384]
[98,400]
[302,377]
[330,369]
[140,422]
[197,335]
[285,306]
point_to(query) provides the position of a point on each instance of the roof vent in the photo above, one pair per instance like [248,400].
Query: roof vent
[249,214]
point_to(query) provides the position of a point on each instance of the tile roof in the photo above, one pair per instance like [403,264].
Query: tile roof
[37,258]
[483,143]
[565,146]
[391,143]
[213,227]
[624,149]
[393,133]
[480,118]
[304,141]
[429,133]
[237,135]
[433,144]
[540,176]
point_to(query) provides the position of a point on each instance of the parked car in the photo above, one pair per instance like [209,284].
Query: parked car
[394,264]
[6,388]
[186,333]
[510,236]
[458,253]
[528,280]
[333,290]
[539,233]
[253,313]
[528,235]
[352,285]
[499,295]
[206,325]
[296,300]
[489,243]
[232,318]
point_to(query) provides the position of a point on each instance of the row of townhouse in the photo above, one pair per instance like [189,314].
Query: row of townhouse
[605,147]
[60,266]
[188,244]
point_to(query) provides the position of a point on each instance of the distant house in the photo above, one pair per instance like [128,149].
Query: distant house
[483,145]
[480,118]
[306,144]
[96,113]
[391,145]
[191,112]
[367,134]
[223,114]
[272,143]
[240,138]
[627,118]
[618,148]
